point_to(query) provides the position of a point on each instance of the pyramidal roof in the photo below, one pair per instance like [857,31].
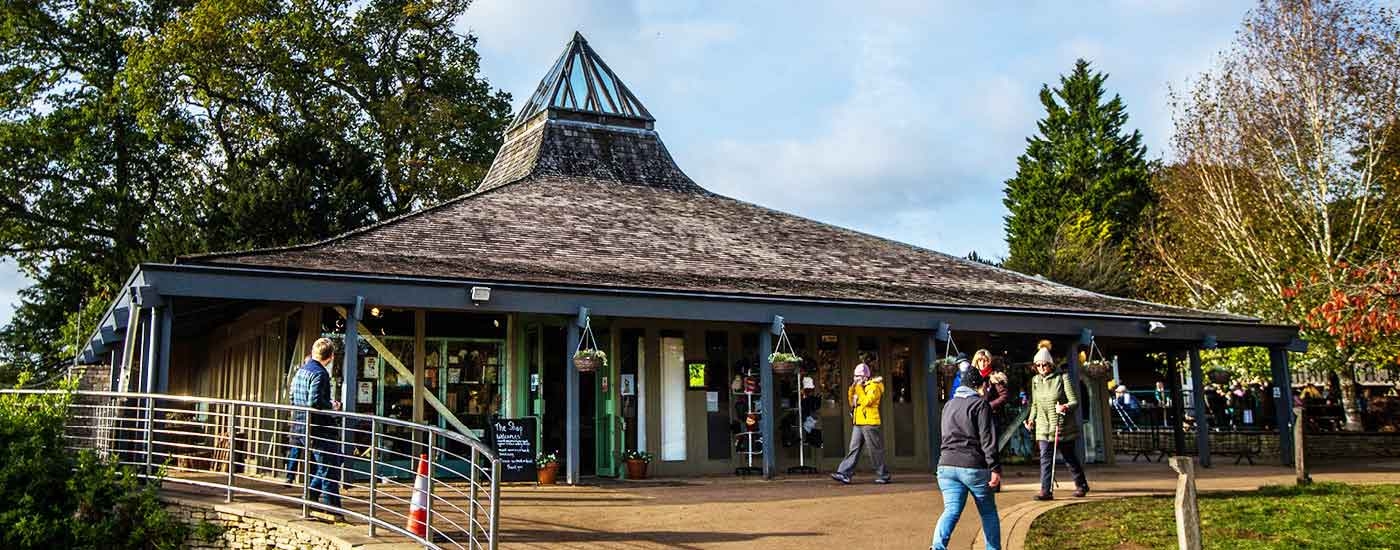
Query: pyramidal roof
[583,192]
[580,81]
[585,125]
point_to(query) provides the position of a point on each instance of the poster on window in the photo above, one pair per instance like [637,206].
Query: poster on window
[454,376]
[364,392]
[371,370]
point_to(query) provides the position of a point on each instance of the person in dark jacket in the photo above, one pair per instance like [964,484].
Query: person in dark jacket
[968,462]
[311,387]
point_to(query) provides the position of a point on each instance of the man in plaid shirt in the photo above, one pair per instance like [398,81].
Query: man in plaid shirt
[311,387]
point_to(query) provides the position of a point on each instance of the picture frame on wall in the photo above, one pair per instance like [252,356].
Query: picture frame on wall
[371,370]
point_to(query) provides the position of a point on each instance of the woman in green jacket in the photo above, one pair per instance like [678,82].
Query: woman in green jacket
[1054,402]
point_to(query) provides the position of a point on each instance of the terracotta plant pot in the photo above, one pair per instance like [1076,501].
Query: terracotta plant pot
[636,469]
[784,367]
[548,474]
[586,364]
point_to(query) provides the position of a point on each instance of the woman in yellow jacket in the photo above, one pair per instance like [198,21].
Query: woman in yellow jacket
[864,397]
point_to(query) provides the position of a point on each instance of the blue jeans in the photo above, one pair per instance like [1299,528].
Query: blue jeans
[293,453]
[956,483]
[325,480]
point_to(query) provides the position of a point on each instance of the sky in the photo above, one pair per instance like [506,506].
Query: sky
[898,118]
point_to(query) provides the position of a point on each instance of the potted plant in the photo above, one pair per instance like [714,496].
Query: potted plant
[1098,370]
[636,463]
[784,363]
[589,360]
[547,467]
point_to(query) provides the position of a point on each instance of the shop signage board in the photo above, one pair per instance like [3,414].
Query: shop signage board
[514,440]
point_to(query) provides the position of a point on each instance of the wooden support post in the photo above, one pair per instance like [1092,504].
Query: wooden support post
[1283,402]
[571,396]
[1178,408]
[767,396]
[1198,400]
[1188,514]
[932,404]
[1300,466]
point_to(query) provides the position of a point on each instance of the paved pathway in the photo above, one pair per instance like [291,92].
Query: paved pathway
[815,513]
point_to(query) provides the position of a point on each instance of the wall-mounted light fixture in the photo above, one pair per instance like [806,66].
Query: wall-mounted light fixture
[1154,327]
[480,294]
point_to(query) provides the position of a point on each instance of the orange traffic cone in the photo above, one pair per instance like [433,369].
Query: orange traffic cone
[418,509]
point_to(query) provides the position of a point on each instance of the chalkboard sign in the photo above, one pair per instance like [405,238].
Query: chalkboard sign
[514,439]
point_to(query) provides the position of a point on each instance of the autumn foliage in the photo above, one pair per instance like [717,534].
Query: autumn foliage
[1358,307]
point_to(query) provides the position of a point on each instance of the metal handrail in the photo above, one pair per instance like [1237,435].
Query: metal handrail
[216,443]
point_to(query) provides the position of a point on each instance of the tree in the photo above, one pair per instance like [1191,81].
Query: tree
[1083,170]
[125,141]
[1358,311]
[83,185]
[1278,175]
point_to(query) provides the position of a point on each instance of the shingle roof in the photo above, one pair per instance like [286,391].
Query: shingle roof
[593,199]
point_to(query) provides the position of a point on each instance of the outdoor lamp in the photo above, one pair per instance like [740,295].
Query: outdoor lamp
[1154,327]
[480,294]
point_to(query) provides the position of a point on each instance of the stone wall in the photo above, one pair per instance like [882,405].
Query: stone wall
[243,530]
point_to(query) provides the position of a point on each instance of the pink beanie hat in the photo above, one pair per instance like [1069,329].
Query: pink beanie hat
[863,370]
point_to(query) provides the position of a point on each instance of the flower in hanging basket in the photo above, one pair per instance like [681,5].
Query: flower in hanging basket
[633,454]
[784,362]
[589,360]
[1098,369]
[1220,376]
[947,365]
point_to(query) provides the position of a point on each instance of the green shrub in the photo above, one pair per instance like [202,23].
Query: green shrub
[51,497]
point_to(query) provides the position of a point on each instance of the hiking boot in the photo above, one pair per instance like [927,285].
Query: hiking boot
[1044,496]
[1080,492]
[844,479]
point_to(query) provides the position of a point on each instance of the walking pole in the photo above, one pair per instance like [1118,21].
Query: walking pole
[1055,449]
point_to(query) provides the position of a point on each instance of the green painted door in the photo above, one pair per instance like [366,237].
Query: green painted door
[606,422]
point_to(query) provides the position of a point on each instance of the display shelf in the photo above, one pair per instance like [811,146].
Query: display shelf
[749,443]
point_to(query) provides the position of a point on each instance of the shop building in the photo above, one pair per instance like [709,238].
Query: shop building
[586,230]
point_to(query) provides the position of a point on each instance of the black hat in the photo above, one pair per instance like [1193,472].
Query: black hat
[972,378]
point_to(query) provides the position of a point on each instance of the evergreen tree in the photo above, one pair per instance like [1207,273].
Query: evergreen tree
[1082,170]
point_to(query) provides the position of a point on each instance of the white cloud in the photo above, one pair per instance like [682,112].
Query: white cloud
[11,281]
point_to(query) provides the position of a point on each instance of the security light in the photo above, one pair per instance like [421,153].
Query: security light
[1154,327]
[481,294]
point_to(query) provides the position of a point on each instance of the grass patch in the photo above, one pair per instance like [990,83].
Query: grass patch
[1320,516]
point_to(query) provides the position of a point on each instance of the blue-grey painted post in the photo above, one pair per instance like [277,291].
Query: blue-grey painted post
[765,379]
[571,430]
[1199,405]
[350,369]
[1283,403]
[167,319]
[933,405]
[350,375]
[1077,414]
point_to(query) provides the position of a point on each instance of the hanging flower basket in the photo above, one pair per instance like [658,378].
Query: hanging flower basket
[1220,376]
[783,362]
[947,366]
[1098,371]
[589,360]
[587,357]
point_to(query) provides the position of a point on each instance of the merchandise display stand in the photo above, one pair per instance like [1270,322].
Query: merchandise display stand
[749,442]
[801,467]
